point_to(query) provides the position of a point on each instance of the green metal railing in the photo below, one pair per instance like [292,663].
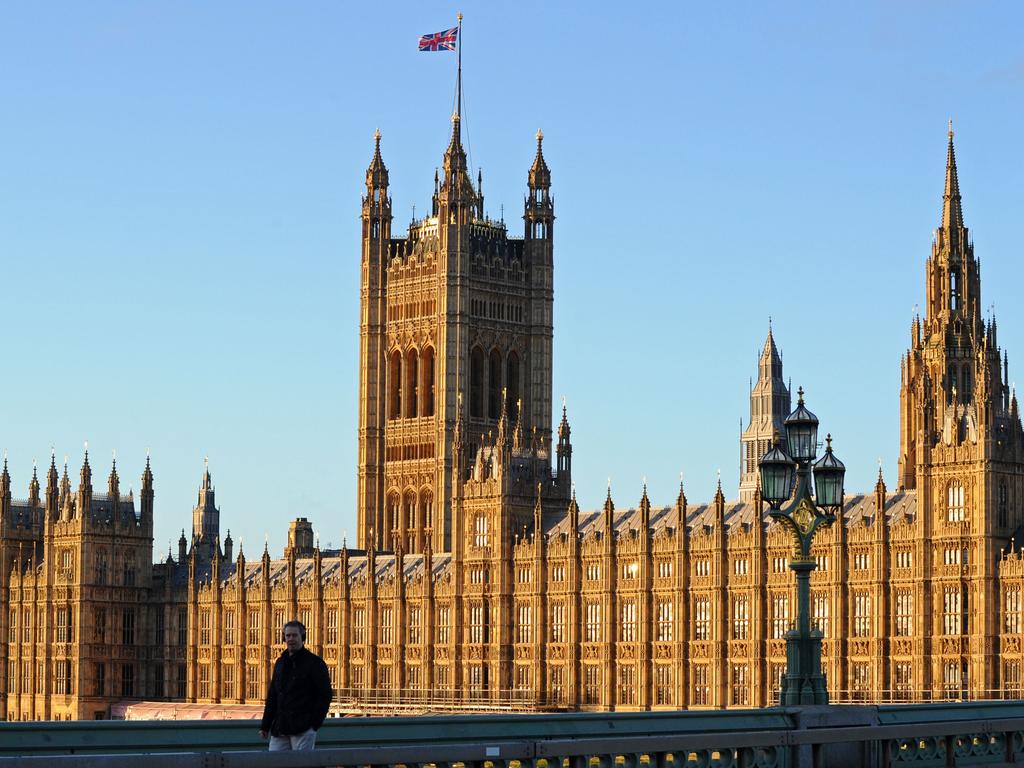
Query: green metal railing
[925,736]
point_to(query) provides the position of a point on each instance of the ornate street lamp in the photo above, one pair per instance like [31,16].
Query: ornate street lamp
[804,682]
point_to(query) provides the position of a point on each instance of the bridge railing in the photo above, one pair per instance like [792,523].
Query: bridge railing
[915,736]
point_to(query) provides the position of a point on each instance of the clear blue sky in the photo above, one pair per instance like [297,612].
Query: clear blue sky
[179,203]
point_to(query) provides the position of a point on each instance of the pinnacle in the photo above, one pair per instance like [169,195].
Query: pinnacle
[952,211]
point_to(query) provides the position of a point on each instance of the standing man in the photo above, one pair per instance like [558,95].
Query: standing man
[299,694]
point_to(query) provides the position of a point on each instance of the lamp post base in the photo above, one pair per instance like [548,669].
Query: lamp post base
[804,682]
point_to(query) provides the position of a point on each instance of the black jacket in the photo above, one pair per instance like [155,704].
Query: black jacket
[299,694]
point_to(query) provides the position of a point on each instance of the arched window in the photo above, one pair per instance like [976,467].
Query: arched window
[965,384]
[512,384]
[393,511]
[410,511]
[494,385]
[427,381]
[955,510]
[954,290]
[1002,506]
[476,383]
[395,385]
[427,509]
[411,383]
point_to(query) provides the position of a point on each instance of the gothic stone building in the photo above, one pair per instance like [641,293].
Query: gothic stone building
[477,575]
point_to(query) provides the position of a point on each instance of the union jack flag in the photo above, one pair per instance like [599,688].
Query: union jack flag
[440,41]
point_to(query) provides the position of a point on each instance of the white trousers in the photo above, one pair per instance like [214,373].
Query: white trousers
[305,740]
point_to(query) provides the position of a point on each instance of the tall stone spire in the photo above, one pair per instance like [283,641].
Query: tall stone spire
[952,211]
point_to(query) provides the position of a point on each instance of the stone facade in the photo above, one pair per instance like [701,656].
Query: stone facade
[477,576]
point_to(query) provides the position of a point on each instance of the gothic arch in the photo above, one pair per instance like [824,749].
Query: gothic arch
[395,385]
[494,384]
[512,383]
[476,382]
[427,378]
[394,509]
[426,511]
[411,383]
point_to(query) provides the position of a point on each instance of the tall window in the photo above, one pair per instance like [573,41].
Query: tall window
[740,685]
[591,684]
[702,618]
[182,626]
[494,385]
[664,619]
[204,626]
[411,384]
[953,610]
[427,387]
[558,622]
[1011,678]
[861,682]
[228,681]
[1002,505]
[65,632]
[478,623]
[627,685]
[954,675]
[593,625]
[128,680]
[861,614]
[955,502]
[480,530]
[740,618]
[128,571]
[476,383]
[229,627]
[26,626]
[904,613]
[444,624]
[254,628]
[780,616]
[820,613]
[664,682]
[776,673]
[204,681]
[331,637]
[1011,622]
[100,681]
[701,688]
[62,677]
[128,627]
[395,385]
[386,630]
[903,681]
[627,621]
[524,623]
[427,508]
[556,680]
[512,384]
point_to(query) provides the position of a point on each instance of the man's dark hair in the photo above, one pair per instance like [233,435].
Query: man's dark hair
[298,625]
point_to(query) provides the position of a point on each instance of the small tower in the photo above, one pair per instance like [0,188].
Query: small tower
[539,210]
[564,451]
[146,511]
[769,405]
[206,519]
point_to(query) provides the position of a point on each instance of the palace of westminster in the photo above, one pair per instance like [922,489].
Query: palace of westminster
[476,574]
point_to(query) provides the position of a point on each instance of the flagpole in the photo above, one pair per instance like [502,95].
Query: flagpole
[458,50]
